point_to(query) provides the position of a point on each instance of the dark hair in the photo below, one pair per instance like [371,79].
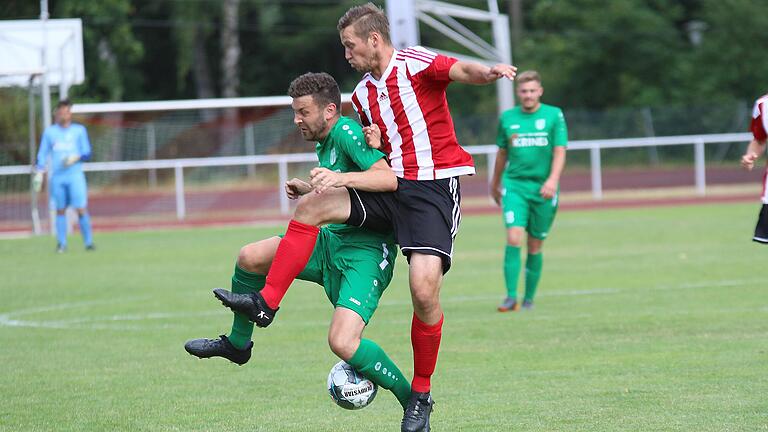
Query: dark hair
[64,103]
[321,86]
[367,18]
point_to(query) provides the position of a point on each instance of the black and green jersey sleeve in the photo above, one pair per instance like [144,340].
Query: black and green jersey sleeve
[345,149]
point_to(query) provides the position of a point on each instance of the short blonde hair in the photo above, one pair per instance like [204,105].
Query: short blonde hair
[528,76]
[366,19]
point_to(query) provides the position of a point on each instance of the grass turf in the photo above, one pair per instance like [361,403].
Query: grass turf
[646,319]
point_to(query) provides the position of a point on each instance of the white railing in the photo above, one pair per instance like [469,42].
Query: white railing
[282,161]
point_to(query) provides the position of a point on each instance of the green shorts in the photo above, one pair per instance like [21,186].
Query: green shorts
[354,274]
[523,206]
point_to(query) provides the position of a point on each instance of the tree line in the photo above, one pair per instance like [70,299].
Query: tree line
[592,54]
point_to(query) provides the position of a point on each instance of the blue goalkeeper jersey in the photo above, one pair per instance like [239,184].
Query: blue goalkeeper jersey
[60,143]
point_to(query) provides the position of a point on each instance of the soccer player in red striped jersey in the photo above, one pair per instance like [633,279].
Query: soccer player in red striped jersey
[402,103]
[402,98]
[759,127]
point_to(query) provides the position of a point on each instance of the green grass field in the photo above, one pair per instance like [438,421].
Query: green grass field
[646,320]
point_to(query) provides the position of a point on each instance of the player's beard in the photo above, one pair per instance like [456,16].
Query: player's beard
[368,63]
[315,130]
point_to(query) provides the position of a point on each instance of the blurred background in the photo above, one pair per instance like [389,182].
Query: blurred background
[619,69]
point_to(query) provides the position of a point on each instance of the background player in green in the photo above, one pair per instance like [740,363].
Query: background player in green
[354,265]
[532,139]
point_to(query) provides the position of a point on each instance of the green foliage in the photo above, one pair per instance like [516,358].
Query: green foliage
[599,60]
[730,62]
[598,54]
[111,49]
[14,127]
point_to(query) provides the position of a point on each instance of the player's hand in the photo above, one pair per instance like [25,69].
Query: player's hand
[37,181]
[496,194]
[502,70]
[548,189]
[295,188]
[323,179]
[372,136]
[748,160]
[71,160]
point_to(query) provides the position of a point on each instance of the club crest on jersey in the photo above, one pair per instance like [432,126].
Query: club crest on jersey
[541,123]
[333,156]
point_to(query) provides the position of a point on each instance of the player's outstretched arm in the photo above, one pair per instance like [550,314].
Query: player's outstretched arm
[476,73]
[754,150]
[378,178]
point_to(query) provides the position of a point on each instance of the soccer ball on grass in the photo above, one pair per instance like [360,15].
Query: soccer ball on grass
[349,388]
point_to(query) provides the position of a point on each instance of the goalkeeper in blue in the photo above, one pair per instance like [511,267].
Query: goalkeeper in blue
[67,145]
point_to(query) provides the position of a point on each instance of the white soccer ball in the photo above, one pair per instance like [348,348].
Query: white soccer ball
[349,388]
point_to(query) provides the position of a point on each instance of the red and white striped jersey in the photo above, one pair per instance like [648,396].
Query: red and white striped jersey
[408,104]
[759,128]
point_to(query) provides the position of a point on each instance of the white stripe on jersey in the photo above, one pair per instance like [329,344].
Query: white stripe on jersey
[419,107]
[417,58]
[395,140]
[759,109]
[454,172]
[421,144]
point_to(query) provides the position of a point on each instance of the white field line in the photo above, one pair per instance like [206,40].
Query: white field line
[118,322]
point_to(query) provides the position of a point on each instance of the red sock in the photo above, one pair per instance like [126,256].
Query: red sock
[290,259]
[426,343]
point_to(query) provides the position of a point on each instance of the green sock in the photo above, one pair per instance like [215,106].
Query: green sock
[371,361]
[533,265]
[511,269]
[242,328]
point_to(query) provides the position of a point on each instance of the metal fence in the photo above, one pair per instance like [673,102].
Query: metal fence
[595,149]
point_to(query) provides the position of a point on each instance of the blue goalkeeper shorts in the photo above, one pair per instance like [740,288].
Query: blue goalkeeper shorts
[69,190]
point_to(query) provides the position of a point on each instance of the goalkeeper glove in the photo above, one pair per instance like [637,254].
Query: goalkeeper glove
[37,181]
[71,160]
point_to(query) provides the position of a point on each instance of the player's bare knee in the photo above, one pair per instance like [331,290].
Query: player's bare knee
[534,245]
[342,343]
[309,209]
[515,237]
[254,258]
[245,259]
[425,294]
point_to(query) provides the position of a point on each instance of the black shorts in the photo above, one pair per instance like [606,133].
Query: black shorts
[761,230]
[424,215]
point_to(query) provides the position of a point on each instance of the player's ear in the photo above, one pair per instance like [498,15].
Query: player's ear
[331,109]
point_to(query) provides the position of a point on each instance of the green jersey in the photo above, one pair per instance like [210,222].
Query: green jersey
[529,139]
[345,150]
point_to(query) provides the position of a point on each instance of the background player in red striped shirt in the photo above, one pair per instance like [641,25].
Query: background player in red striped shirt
[401,99]
[756,148]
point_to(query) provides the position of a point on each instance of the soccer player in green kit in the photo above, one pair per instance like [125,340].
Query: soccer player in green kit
[532,139]
[354,265]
